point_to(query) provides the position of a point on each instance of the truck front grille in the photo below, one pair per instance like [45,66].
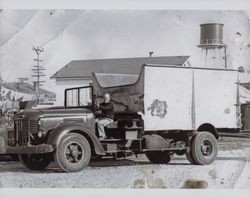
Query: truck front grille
[33,126]
[22,130]
[19,132]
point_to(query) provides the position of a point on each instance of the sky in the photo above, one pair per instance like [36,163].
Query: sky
[67,35]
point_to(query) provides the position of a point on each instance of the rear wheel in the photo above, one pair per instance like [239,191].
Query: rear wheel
[158,157]
[73,153]
[36,161]
[190,157]
[188,152]
[204,148]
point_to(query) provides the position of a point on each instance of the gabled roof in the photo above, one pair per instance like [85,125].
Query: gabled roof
[84,68]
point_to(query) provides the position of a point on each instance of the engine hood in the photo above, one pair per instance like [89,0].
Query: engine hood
[52,112]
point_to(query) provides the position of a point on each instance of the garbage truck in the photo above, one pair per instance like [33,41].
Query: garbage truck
[166,110]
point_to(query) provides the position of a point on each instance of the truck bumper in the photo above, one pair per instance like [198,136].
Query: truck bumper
[34,149]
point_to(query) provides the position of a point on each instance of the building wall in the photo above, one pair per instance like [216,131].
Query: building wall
[61,85]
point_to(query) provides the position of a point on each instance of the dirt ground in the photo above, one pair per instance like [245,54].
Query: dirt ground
[230,170]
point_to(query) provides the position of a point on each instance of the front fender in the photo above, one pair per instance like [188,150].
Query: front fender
[59,132]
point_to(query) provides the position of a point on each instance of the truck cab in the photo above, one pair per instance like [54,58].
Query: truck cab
[68,135]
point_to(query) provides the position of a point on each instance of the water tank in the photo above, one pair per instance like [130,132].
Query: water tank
[211,35]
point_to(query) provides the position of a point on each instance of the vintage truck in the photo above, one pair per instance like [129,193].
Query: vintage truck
[165,110]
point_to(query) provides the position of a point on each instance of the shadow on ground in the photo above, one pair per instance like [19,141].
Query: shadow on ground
[14,166]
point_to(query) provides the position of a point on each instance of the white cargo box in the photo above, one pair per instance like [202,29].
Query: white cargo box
[184,98]
[178,97]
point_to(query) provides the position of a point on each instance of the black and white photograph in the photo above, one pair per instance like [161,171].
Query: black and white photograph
[125,99]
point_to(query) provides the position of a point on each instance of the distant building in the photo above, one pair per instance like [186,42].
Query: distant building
[79,72]
[26,89]
[12,93]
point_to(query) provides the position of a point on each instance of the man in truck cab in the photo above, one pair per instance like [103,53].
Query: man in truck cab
[106,117]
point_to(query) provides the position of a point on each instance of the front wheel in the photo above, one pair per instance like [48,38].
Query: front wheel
[204,148]
[73,153]
[158,157]
[36,161]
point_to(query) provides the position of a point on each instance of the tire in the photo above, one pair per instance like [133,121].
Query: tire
[189,154]
[73,153]
[158,157]
[190,157]
[204,148]
[36,161]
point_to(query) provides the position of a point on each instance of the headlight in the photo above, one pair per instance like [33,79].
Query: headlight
[39,122]
[40,134]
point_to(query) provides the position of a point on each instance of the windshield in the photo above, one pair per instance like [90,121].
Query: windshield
[78,97]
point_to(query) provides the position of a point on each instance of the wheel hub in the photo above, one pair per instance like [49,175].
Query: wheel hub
[74,152]
[206,148]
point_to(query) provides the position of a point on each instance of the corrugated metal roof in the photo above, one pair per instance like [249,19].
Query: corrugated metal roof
[112,80]
[84,68]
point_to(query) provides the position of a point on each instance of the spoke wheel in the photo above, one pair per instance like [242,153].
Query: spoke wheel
[73,153]
[36,161]
[204,148]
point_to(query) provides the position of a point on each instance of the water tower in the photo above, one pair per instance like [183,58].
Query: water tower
[211,42]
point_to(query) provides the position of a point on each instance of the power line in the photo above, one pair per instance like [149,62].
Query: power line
[38,70]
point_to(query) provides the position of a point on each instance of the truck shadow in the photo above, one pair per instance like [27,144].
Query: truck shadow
[109,162]
[15,166]
[52,168]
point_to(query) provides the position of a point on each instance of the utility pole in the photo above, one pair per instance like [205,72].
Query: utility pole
[150,54]
[37,70]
